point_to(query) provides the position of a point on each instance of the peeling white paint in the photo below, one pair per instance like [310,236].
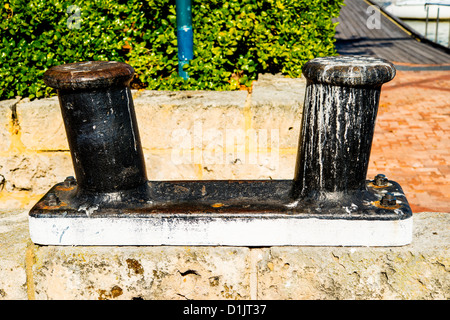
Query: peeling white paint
[88,210]
[292,205]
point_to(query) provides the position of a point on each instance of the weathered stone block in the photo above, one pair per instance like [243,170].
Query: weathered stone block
[141,273]
[41,124]
[35,172]
[5,123]
[417,271]
[277,90]
[284,120]
[13,254]
[187,119]
[168,165]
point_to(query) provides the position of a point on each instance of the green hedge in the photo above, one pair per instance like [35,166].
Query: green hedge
[233,41]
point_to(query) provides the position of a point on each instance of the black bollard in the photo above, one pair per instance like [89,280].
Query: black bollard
[340,109]
[100,122]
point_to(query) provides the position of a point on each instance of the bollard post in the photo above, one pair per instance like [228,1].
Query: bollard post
[98,113]
[340,109]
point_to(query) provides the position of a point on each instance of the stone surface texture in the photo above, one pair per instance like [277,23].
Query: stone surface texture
[417,271]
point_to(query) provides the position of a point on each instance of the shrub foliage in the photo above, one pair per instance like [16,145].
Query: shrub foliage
[234,41]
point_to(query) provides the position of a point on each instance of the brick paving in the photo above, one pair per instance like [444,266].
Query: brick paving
[412,138]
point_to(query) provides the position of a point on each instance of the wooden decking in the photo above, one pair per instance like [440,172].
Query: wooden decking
[391,41]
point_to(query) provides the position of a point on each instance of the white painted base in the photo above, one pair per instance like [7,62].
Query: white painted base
[232,230]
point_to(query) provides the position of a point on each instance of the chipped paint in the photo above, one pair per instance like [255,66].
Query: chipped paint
[88,210]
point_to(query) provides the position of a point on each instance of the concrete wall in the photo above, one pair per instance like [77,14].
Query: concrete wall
[184,135]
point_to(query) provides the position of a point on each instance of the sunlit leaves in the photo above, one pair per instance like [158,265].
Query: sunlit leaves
[234,41]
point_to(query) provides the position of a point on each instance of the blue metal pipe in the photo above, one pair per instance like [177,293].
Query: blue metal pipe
[185,35]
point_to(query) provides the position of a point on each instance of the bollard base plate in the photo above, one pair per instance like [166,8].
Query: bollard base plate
[211,213]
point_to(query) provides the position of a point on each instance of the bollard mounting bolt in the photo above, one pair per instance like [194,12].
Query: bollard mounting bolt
[70,182]
[388,200]
[380,180]
[52,200]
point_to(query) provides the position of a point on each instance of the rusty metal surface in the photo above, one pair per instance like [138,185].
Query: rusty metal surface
[88,75]
[222,197]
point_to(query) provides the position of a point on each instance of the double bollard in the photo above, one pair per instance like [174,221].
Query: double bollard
[329,185]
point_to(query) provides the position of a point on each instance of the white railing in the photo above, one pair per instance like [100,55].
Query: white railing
[427,6]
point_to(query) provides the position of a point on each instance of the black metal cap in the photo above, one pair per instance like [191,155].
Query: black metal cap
[349,70]
[88,75]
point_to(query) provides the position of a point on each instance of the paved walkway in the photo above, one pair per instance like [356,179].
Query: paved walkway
[412,138]
[357,35]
